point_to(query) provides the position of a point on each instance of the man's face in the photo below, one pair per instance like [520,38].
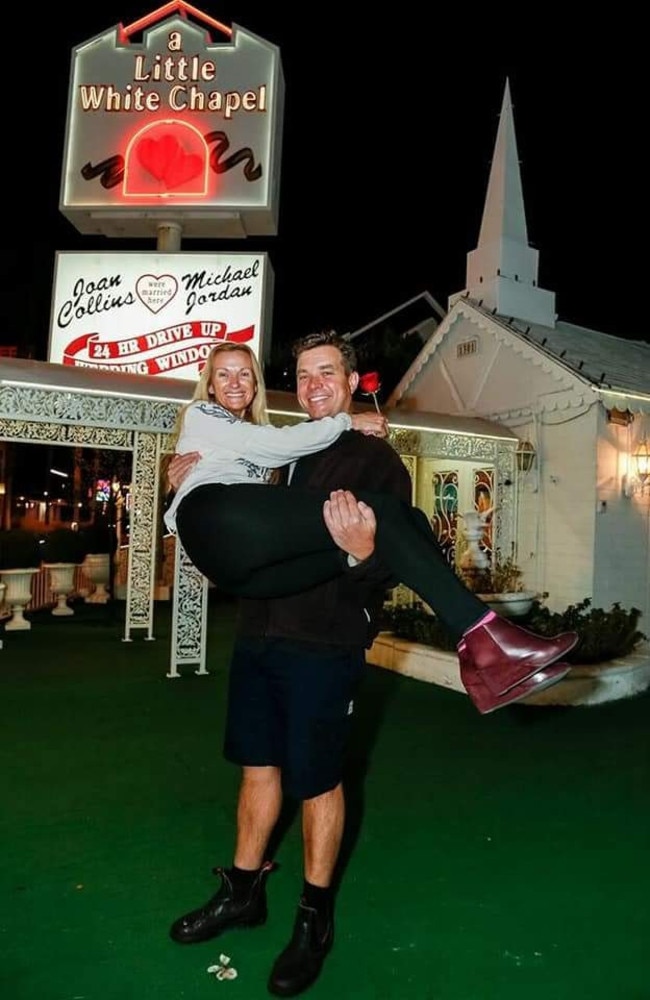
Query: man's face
[323,387]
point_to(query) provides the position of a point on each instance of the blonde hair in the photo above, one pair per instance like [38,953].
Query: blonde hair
[256,412]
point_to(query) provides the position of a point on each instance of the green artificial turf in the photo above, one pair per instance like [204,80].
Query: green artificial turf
[500,857]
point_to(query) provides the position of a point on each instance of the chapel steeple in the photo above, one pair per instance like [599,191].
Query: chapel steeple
[502,270]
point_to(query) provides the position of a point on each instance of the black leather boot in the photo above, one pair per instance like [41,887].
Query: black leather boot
[299,965]
[229,907]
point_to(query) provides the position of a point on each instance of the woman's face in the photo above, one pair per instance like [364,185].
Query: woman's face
[233,382]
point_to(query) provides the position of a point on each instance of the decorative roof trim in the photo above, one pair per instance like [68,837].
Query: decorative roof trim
[496,327]
[620,400]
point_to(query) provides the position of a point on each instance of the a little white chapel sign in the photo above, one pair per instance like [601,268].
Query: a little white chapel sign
[175,116]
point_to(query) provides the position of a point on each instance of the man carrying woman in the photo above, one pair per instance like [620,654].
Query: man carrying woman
[298,657]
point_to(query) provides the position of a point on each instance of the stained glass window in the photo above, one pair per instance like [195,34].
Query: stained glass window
[444,520]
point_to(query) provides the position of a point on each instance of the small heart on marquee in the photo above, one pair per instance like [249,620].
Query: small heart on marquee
[156,290]
[166,161]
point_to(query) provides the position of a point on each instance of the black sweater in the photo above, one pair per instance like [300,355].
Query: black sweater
[334,613]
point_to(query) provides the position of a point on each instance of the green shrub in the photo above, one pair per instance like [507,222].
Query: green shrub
[99,538]
[602,635]
[504,577]
[19,549]
[413,623]
[63,545]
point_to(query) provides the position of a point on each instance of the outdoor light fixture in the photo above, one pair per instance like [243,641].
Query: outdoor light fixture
[635,482]
[525,455]
[641,456]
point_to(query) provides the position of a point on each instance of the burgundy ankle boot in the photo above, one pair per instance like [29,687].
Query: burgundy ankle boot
[504,654]
[487,702]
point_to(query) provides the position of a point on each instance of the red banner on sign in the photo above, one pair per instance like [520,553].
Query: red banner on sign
[173,347]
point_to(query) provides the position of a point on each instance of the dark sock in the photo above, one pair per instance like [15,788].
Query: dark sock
[242,878]
[318,897]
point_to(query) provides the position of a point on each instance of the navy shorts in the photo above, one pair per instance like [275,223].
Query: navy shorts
[290,706]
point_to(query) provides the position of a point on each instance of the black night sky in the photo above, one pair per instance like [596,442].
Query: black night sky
[389,131]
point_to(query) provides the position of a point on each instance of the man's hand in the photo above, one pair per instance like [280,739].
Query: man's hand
[351,523]
[180,466]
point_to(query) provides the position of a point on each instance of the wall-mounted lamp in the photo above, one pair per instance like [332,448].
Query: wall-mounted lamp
[641,456]
[525,455]
[639,468]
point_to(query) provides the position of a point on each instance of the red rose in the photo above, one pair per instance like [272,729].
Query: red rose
[369,383]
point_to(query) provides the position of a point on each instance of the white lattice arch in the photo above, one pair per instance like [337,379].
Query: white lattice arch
[42,403]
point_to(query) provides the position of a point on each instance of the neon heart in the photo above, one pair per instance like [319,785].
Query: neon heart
[184,168]
[166,161]
[156,154]
[155,291]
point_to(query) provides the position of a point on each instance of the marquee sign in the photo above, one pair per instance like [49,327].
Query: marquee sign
[157,314]
[166,124]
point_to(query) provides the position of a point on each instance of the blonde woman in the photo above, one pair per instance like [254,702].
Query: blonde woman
[226,421]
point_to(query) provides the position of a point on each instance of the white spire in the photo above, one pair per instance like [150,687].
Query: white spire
[504,213]
[502,270]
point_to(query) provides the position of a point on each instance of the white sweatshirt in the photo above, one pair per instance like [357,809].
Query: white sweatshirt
[235,451]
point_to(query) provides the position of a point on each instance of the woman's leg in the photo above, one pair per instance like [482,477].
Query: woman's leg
[496,656]
[271,541]
[245,537]
[258,541]
[457,606]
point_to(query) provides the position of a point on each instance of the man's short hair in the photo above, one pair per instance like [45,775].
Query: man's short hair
[328,338]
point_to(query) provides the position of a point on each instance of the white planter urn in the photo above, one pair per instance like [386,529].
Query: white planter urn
[97,567]
[18,594]
[62,584]
[510,605]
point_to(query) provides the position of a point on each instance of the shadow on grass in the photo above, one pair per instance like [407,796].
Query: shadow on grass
[371,703]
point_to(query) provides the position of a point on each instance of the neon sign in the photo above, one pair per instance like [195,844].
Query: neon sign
[174,126]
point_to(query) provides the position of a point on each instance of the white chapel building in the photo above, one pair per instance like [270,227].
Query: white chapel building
[577,401]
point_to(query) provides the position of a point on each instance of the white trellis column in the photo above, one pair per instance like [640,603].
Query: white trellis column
[189,614]
[141,579]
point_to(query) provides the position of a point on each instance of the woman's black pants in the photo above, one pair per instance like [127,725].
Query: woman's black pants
[263,541]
